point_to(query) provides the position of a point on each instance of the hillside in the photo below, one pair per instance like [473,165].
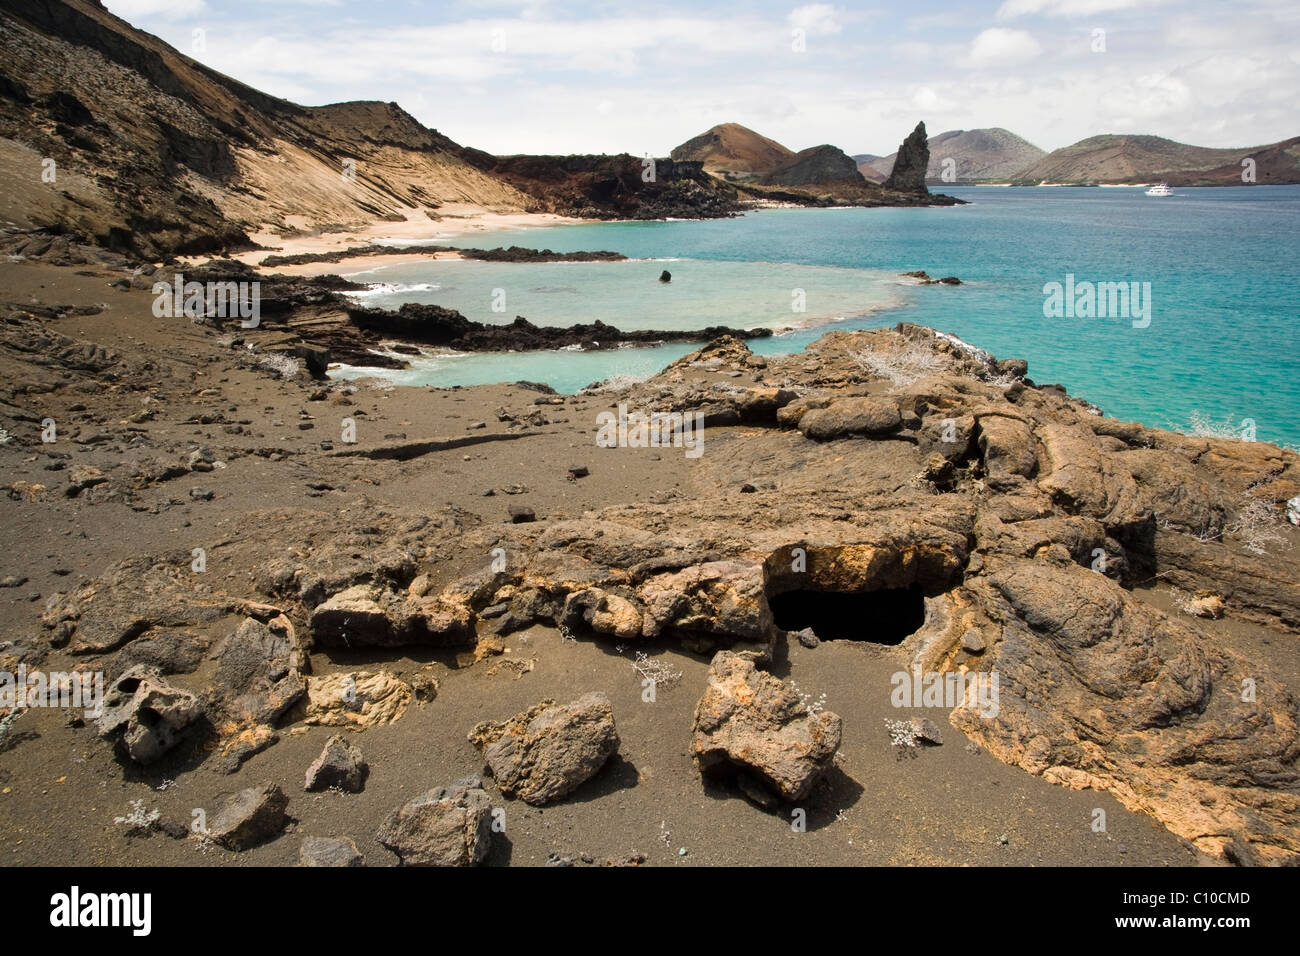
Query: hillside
[826,176]
[867,167]
[1277,164]
[817,165]
[763,170]
[153,153]
[734,152]
[1141,159]
[156,153]
[604,187]
[978,155]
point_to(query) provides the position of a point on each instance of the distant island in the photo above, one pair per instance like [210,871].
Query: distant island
[977,156]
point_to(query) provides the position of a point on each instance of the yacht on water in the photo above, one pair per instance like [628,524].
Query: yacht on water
[1160,189]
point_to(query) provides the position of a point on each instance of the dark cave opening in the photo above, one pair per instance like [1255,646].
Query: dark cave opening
[880,617]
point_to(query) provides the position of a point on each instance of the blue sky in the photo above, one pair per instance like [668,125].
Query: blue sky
[575,76]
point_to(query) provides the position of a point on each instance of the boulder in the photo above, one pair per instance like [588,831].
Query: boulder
[447,826]
[370,614]
[242,744]
[720,600]
[362,614]
[251,817]
[259,673]
[750,721]
[760,405]
[548,751]
[851,416]
[339,765]
[146,715]
[356,700]
[601,612]
[329,851]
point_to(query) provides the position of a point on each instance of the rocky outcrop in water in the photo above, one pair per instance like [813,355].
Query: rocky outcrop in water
[912,161]
[312,319]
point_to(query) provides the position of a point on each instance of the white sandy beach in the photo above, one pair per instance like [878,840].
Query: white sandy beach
[456,220]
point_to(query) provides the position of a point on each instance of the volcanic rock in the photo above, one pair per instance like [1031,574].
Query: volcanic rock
[146,715]
[339,765]
[250,817]
[548,751]
[911,163]
[448,826]
[356,700]
[752,721]
[329,851]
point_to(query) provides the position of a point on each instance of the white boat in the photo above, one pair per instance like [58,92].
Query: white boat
[1160,189]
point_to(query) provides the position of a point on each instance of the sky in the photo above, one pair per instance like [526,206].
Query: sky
[586,76]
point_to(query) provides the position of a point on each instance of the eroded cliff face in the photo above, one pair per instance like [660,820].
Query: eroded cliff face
[112,135]
[154,153]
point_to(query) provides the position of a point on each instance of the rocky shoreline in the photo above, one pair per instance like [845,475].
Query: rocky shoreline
[312,318]
[499,254]
[711,641]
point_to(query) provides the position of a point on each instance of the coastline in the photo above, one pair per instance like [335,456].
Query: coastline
[463,220]
[445,471]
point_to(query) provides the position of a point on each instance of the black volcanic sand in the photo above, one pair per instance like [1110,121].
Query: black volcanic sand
[61,787]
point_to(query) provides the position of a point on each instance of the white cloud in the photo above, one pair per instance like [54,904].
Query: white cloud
[618,78]
[926,100]
[1067,8]
[998,45]
[815,19]
[133,10]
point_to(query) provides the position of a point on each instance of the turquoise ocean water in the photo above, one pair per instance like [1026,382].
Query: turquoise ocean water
[1223,266]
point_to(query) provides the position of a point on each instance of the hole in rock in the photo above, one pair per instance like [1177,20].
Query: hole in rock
[881,617]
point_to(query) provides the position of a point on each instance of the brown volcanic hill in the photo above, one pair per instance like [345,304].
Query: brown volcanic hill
[157,153]
[868,166]
[825,176]
[734,151]
[1275,165]
[978,155]
[1140,159]
[603,187]
[815,166]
